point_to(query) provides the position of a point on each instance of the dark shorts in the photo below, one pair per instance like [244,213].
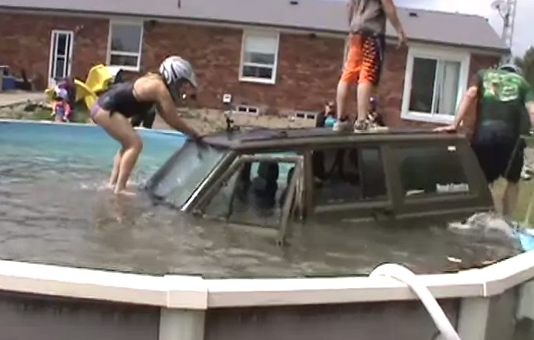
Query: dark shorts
[499,155]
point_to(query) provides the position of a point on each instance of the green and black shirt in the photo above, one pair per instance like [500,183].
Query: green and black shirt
[502,100]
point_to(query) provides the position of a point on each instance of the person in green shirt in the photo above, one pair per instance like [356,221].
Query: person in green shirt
[503,100]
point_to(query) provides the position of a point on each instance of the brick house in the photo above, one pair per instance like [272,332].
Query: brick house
[280,54]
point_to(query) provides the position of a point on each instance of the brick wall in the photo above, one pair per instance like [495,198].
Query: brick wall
[305,80]
[25,43]
[308,68]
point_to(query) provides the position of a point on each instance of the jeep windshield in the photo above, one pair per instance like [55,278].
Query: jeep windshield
[183,173]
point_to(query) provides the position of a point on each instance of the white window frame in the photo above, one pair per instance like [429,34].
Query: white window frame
[248,34]
[463,57]
[139,53]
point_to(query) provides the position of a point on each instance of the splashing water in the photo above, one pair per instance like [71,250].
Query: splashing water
[491,226]
[486,224]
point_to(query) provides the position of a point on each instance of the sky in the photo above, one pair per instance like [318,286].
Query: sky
[523,37]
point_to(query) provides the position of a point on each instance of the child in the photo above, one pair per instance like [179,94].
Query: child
[60,107]
[327,118]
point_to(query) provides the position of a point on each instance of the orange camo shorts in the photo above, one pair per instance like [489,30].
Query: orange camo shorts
[364,60]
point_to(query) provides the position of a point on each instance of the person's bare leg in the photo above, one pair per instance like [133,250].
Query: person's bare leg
[369,78]
[119,127]
[509,200]
[343,117]
[341,99]
[345,84]
[365,91]
[116,167]
[127,163]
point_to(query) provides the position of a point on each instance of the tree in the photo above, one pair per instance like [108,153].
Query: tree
[527,65]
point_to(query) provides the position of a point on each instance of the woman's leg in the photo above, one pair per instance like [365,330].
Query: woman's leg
[128,159]
[118,127]
[116,168]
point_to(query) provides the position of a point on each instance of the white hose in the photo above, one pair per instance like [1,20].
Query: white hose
[407,277]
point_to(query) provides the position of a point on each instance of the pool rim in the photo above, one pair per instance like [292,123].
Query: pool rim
[88,125]
[197,293]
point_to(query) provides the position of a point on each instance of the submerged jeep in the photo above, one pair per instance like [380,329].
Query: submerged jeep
[274,178]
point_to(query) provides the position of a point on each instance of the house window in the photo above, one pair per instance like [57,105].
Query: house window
[124,45]
[433,85]
[259,57]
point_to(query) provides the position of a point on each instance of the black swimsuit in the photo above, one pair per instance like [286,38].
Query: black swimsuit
[120,98]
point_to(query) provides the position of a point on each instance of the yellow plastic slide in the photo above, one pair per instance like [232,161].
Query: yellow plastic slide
[99,78]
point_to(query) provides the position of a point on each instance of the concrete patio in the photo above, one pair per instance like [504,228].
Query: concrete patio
[11,98]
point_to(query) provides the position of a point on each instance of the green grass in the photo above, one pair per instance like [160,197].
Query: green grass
[525,193]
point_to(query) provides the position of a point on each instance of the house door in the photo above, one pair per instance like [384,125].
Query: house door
[60,55]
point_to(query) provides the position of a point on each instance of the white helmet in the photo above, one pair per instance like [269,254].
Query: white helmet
[175,69]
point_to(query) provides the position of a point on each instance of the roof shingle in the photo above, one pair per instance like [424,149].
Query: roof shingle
[314,15]
[330,15]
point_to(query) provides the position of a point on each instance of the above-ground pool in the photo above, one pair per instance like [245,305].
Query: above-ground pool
[55,209]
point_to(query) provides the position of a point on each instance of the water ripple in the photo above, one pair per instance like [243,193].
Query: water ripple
[53,211]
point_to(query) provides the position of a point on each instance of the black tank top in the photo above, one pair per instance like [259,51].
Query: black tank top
[120,98]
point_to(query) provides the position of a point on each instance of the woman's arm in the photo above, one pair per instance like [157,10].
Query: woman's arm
[166,108]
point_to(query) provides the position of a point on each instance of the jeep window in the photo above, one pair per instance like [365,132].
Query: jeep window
[431,170]
[254,194]
[348,175]
[176,181]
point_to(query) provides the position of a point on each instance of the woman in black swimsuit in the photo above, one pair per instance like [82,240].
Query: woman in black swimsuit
[125,100]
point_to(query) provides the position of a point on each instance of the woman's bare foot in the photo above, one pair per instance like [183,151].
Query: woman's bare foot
[124,192]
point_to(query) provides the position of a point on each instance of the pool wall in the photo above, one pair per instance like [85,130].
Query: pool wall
[60,303]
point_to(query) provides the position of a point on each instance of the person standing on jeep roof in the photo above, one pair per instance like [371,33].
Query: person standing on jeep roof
[501,96]
[365,55]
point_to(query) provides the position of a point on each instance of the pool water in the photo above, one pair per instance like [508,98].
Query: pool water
[75,150]
[54,208]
